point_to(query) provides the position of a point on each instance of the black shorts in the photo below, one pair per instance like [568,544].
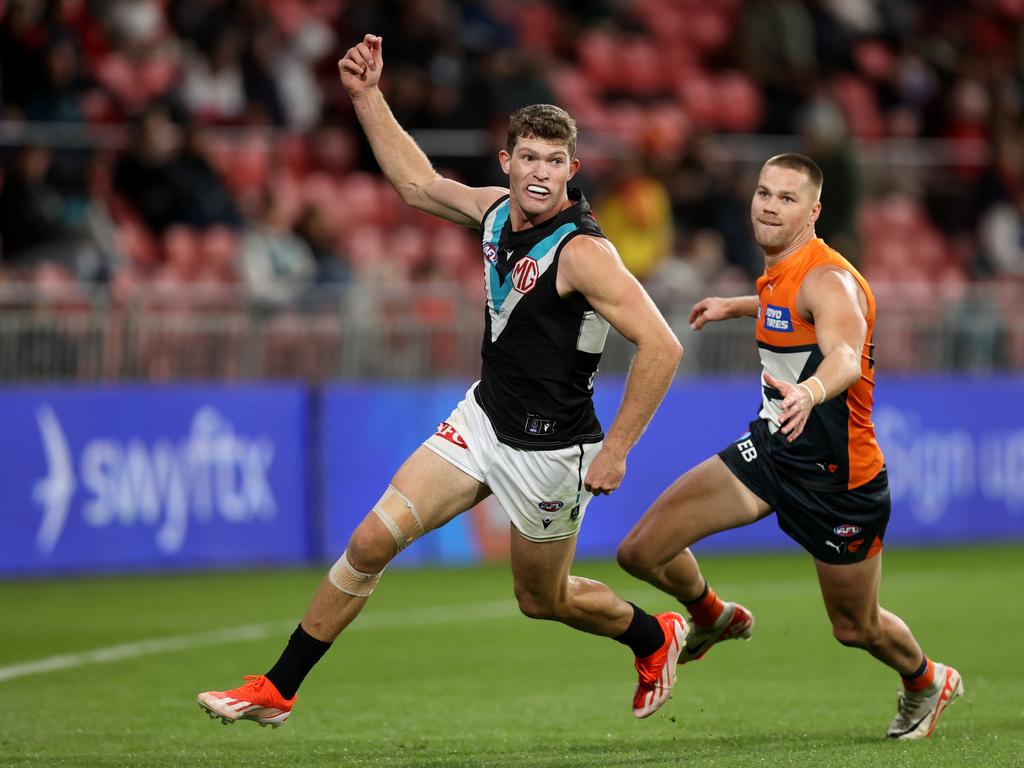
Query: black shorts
[838,527]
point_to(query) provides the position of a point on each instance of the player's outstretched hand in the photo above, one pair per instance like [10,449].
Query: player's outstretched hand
[708,310]
[361,66]
[796,406]
[605,473]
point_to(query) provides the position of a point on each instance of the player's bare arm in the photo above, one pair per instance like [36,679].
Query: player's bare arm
[715,308]
[592,267]
[403,163]
[832,300]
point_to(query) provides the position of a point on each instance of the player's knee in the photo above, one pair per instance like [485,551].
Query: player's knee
[855,634]
[391,526]
[535,605]
[634,558]
[370,549]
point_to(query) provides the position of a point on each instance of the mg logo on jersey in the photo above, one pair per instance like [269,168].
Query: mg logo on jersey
[551,506]
[777,319]
[847,530]
[524,276]
[491,253]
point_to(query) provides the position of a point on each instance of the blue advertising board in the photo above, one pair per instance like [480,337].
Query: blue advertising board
[153,477]
[954,448]
[122,478]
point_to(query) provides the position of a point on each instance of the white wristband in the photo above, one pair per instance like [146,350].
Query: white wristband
[808,391]
[824,392]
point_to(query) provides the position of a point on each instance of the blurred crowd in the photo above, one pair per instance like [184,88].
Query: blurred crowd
[170,142]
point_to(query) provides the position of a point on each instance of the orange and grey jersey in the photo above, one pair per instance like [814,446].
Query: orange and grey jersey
[837,449]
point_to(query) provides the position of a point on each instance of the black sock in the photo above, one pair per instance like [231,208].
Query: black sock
[699,597]
[300,655]
[644,635]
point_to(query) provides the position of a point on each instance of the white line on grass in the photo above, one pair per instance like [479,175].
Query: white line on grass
[444,614]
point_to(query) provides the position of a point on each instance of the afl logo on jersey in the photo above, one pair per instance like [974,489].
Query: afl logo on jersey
[551,506]
[524,276]
[847,530]
[490,253]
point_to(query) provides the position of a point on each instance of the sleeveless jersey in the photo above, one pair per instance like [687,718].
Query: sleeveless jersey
[540,350]
[837,449]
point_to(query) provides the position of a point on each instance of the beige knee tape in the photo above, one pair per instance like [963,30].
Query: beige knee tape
[399,516]
[349,580]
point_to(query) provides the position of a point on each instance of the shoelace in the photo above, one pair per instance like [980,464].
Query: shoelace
[909,703]
[649,675]
[260,684]
[256,682]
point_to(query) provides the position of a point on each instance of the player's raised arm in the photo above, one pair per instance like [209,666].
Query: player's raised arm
[592,267]
[401,160]
[715,308]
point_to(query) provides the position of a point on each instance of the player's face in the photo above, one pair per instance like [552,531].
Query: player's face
[785,206]
[538,172]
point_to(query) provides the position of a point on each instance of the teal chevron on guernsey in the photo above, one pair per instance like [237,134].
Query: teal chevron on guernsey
[498,290]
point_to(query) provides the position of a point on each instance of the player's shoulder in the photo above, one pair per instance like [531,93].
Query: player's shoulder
[491,199]
[587,245]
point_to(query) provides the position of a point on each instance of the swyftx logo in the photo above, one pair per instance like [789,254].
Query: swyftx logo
[211,474]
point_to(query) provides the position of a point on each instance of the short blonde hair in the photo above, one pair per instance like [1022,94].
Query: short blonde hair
[801,163]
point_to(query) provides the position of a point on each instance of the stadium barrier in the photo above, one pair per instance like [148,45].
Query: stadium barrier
[427,332]
[129,478]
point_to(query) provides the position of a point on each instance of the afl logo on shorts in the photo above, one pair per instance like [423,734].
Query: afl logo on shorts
[491,253]
[524,276]
[846,531]
[551,506]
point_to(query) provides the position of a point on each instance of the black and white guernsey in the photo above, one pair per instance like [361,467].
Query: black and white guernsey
[540,350]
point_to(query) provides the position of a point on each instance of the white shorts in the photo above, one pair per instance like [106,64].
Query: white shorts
[541,491]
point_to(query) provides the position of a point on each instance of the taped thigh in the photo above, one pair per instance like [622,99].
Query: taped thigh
[399,516]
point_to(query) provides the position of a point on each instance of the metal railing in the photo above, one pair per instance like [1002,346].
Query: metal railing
[385,332]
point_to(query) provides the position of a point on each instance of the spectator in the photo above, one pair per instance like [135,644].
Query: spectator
[145,176]
[213,88]
[823,132]
[33,226]
[166,184]
[317,231]
[204,200]
[1001,235]
[264,104]
[636,215]
[58,97]
[778,44]
[976,333]
[22,42]
[277,265]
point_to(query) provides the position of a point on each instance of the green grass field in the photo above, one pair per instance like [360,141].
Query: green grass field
[441,670]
